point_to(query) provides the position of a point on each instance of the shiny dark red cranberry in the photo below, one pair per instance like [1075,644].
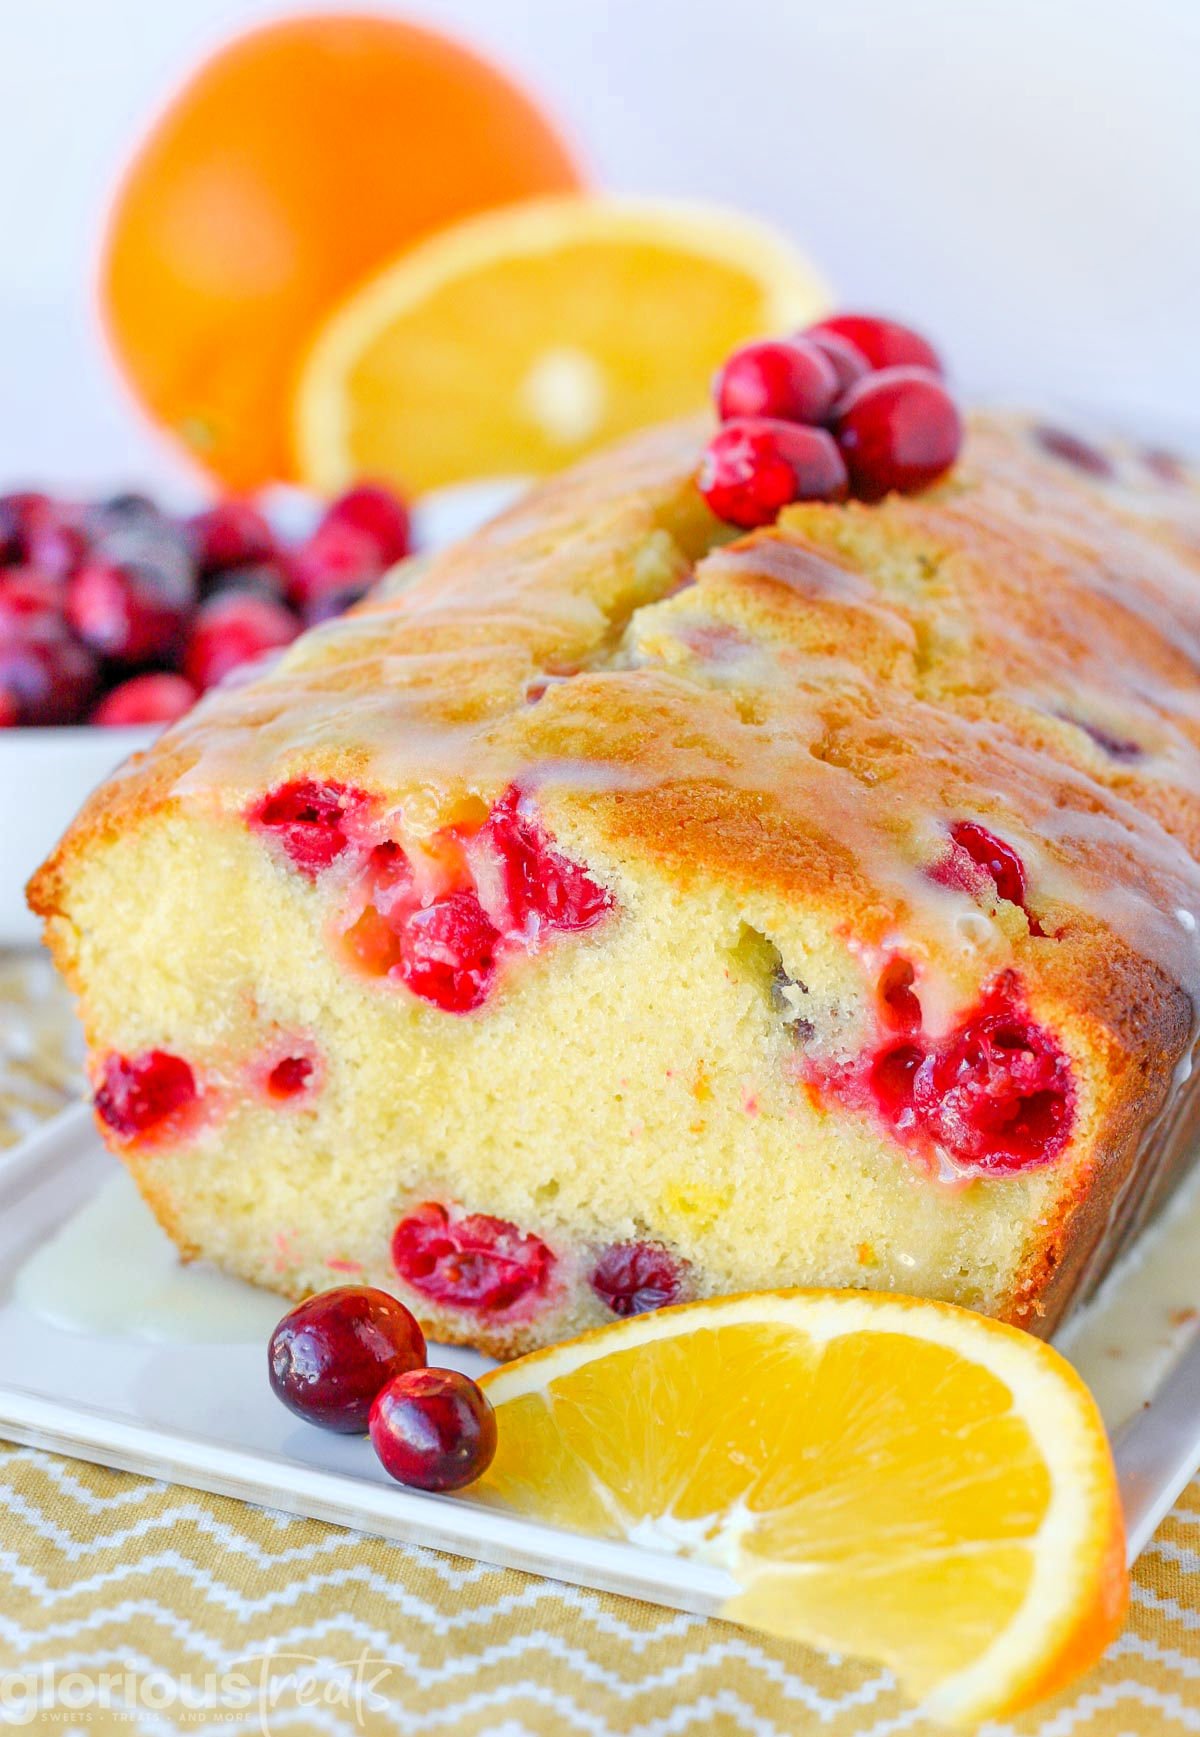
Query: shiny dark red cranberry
[892,1074]
[884,343]
[336,558]
[47,676]
[753,467]
[19,512]
[1060,443]
[379,514]
[307,819]
[232,534]
[139,1094]
[540,888]
[845,358]
[332,1355]
[446,952]
[477,1263]
[231,629]
[632,1278]
[779,377]
[998,860]
[291,1076]
[898,429]
[434,1429]
[10,711]
[130,613]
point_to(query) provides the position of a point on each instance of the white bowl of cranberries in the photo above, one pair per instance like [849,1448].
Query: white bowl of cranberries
[116,615]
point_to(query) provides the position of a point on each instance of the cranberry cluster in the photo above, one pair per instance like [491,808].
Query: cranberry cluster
[852,405]
[116,613]
[354,1359]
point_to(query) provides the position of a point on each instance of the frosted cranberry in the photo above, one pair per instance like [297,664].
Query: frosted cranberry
[307,819]
[434,1429]
[897,429]
[160,698]
[331,1356]
[55,546]
[40,532]
[539,888]
[846,359]
[138,1094]
[262,579]
[379,514]
[997,1095]
[128,612]
[753,467]
[477,1263]
[783,377]
[336,558]
[898,1004]
[289,1077]
[231,629]
[232,534]
[634,1277]
[46,676]
[1080,454]
[447,952]
[884,343]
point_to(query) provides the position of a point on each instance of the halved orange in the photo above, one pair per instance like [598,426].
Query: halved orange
[512,343]
[898,1480]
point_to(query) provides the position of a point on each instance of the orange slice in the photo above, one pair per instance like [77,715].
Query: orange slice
[894,1479]
[514,342]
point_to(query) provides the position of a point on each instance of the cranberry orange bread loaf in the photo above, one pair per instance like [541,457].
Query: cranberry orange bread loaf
[611,911]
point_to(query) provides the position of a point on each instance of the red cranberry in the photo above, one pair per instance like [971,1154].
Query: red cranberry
[884,343]
[40,532]
[55,547]
[447,952]
[998,860]
[1116,747]
[48,677]
[264,579]
[634,1277]
[10,711]
[898,429]
[433,1429]
[845,358]
[289,1077]
[753,467]
[898,1003]
[231,629]
[379,514]
[781,377]
[327,605]
[1080,454]
[337,557]
[19,511]
[126,612]
[159,698]
[478,1263]
[332,1355]
[539,888]
[232,534]
[139,1094]
[892,1074]
[997,1095]
[307,819]
[1165,466]
[30,602]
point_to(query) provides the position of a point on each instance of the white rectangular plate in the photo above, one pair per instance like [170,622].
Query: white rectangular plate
[202,1413]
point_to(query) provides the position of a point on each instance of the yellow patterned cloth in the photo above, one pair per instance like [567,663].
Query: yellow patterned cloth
[128,1602]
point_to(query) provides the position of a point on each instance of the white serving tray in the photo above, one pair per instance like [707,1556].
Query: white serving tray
[202,1413]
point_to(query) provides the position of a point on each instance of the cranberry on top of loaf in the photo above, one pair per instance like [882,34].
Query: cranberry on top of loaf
[619,907]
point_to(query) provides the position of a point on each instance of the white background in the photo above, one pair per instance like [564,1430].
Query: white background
[1022,177]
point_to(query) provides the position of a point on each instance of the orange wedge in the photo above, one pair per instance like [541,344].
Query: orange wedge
[511,343]
[898,1480]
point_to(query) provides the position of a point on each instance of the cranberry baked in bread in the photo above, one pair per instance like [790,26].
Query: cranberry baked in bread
[620,908]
